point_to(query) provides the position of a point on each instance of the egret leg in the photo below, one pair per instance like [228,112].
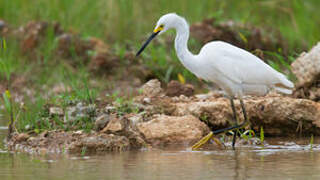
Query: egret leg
[244,112]
[211,134]
[235,132]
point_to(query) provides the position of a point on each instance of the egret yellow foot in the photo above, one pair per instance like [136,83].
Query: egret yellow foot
[203,141]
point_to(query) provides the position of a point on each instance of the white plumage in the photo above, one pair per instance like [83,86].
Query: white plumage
[236,71]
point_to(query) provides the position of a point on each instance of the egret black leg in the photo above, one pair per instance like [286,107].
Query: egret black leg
[235,132]
[235,127]
[244,111]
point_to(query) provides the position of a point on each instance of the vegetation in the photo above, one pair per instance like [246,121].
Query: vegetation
[123,25]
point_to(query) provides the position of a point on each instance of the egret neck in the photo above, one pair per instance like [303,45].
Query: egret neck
[181,44]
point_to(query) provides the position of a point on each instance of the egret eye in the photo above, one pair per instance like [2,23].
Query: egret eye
[161,26]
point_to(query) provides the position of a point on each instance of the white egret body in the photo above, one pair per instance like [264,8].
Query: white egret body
[236,71]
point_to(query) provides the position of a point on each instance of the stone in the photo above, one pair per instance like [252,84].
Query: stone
[60,88]
[165,129]
[279,116]
[175,88]
[71,114]
[307,66]
[100,143]
[152,88]
[136,118]
[55,111]
[79,111]
[115,125]
[101,121]
[22,137]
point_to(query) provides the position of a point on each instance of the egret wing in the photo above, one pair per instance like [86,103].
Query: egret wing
[237,64]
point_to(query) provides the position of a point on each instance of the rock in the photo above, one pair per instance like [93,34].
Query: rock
[307,67]
[172,130]
[2,24]
[152,88]
[175,88]
[100,143]
[136,118]
[115,125]
[3,28]
[279,116]
[22,137]
[109,109]
[71,114]
[58,141]
[60,88]
[101,122]
[103,62]
[70,44]
[31,34]
[86,110]
[307,70]
[98,45]
[55,111]
[79,111]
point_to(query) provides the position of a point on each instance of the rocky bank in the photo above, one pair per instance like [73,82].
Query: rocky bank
[163,120]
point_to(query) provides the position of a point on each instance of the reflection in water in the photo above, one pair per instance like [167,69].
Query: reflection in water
[284,161]
[239,164]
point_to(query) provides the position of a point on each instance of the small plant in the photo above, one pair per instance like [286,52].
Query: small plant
[83,151]
[247,135]
[261,135]
[311,142]
[9,108]
[6,68]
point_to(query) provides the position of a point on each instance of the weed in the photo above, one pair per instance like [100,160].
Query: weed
[248,134]
[261,135]
[311,142]
[83,151]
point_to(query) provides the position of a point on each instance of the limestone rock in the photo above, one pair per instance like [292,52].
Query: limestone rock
[307,67]
[152,88]
[79,111]
[55,111]
[101,121]
[175,88]
[22,137]
[279,116]
[100,143]
[172,130]
[115,125]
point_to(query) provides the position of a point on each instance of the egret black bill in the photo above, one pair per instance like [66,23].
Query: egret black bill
[153,35]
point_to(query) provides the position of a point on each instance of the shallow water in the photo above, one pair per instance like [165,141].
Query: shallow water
[282,161]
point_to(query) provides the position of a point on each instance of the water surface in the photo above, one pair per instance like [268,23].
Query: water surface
[284,161]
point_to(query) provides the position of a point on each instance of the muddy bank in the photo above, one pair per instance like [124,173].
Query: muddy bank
[162,120]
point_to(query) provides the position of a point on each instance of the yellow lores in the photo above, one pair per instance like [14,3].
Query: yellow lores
[159,28]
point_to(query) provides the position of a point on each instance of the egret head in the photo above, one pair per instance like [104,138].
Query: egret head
[167,21]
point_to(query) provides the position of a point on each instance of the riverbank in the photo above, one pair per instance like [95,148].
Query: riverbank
[161,120]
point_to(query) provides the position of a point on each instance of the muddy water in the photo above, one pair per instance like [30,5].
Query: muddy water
[282,161]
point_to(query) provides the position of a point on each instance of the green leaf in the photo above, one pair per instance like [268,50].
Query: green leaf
[7,104]
[261,134]
[4,44]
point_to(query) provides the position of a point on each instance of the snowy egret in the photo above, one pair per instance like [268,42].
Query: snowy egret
[236,71]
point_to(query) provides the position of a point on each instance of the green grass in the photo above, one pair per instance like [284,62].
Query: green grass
[128,22]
